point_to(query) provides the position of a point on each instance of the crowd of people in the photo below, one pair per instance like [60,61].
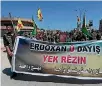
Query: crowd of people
[48,35]
[58,36]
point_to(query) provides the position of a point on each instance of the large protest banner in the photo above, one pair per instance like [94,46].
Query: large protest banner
[75,59]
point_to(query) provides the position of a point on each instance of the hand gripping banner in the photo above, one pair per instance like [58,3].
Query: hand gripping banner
[72,59]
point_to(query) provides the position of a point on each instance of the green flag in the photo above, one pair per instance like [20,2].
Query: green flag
[85,31]
[34,28]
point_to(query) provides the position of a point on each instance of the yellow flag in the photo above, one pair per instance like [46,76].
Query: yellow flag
[19,25]
[39,15]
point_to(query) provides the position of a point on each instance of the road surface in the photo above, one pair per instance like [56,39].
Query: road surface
[29,80]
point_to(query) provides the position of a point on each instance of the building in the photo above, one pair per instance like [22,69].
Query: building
[100,25]
[6,22]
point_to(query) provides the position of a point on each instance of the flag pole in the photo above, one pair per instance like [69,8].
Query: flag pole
[12,23]
[34,27]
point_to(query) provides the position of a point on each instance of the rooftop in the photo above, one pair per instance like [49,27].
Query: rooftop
[15,18]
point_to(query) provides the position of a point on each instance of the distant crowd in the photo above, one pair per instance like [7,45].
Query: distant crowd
[58,36]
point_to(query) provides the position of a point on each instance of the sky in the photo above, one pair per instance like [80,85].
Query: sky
[56,14]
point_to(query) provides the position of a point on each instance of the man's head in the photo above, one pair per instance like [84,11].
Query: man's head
[9,29]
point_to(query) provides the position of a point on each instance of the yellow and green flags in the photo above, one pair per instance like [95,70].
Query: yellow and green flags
[39,15]
[19,25]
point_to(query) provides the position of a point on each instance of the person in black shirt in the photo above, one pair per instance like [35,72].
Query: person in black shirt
[8,39]
[98,36]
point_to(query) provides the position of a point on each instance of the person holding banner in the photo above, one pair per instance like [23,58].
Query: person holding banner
[8,39]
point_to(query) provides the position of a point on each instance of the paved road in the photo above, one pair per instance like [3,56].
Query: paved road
[28,80]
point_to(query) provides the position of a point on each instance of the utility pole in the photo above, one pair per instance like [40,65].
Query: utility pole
[76,17]
[84,19]
[80,16]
